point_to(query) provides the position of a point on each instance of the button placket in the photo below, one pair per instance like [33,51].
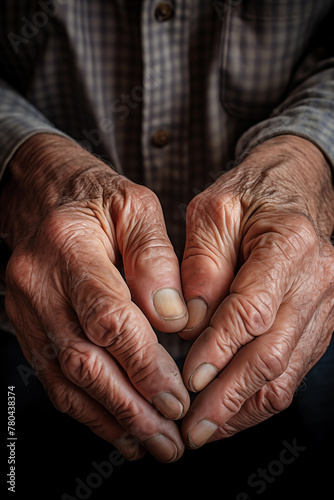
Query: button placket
[165,104]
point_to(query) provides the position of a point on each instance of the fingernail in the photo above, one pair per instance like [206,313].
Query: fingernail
[169,304]
[168,405]
[202,431]
[197,309]
[128,446]
[161,447]
[201,377]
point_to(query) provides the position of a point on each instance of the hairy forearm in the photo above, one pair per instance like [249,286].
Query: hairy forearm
[292,173]
[46,172]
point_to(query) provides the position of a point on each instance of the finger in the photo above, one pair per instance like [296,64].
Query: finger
[272,398]
[209,260]
[255,365]
[96,372]
[248,312]
[151,267]
[110,319]
[66,396]
[93,385]
[91,369]
[277,395]
[71,399]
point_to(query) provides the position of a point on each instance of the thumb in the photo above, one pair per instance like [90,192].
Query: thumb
[210,258]
[151,266]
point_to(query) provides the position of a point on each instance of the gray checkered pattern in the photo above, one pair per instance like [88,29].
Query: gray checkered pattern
[220,77]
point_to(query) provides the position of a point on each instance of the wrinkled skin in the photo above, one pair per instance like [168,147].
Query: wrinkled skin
[257,252]
[65,292]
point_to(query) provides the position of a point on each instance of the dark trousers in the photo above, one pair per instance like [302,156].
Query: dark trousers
[289,456]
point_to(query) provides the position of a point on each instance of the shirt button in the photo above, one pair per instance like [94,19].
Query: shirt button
[164,11]
[160,138]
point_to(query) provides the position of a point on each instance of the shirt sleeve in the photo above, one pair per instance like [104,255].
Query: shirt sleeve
[19,120]
[307,111]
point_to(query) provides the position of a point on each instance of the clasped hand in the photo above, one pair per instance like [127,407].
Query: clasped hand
[255,293]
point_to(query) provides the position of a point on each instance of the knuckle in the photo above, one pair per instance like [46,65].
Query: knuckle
[63,398]
[118,329]
[106,323]
[148,197]
[143,199]
[294,238]
[55,231]
[226,345]
[202,214]
[127,412]
[227,430]
[18,272]
[139,361]
[82,367]
[233,399]
[149,365]
[303,238]
[256,313]
[275,397]
[212,223]
[215,199]
[144,233]
[306,230]
[210,206]
[272,361]
[139,365]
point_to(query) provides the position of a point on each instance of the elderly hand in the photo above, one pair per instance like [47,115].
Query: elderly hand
[71,222]
[257,276]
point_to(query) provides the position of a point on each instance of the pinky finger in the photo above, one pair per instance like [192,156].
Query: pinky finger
[69,398]
[274,397]
[268,401]
[277,395]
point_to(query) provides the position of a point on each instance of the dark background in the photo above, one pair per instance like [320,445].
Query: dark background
[53,450]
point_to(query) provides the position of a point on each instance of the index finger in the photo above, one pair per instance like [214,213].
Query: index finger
[90,370]
[111,320]
[86,277]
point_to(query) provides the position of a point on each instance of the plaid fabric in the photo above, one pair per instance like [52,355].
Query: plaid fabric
[218,76]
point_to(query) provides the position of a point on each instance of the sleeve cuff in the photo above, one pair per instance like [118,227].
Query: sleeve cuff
[314,123]
[12,146]
[19,120]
